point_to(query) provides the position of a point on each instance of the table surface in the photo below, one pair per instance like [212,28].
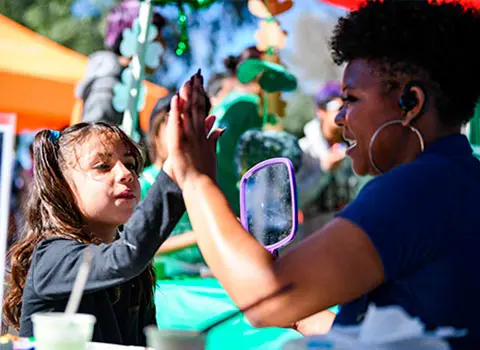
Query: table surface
[104,346]
[193,303]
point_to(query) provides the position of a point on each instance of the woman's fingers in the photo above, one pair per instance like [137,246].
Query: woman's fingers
[198,108]
[187,108]
[214,136]
[209,122]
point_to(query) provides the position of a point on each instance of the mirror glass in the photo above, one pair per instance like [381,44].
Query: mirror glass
[269,209]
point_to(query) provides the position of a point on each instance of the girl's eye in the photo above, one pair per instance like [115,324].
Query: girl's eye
[131,167]
[102,166]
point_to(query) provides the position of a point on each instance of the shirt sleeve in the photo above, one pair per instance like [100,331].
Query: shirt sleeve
[56,262]
[406,217]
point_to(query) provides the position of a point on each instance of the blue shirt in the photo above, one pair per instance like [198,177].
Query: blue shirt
[423,219]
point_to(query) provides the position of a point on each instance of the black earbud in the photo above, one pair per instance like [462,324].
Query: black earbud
[409,99]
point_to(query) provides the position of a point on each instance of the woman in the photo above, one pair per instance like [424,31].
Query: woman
[411,236]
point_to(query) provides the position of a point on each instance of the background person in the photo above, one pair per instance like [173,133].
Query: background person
[326,179]
[237,112]
[181,247]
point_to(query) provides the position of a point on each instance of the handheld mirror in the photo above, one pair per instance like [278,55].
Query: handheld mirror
[268,203]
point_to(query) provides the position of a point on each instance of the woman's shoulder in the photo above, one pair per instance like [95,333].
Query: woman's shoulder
[449,162]
[425,172]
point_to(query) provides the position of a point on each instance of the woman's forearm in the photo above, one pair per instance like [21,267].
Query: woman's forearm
[234,256]
[320,323]
[334,265]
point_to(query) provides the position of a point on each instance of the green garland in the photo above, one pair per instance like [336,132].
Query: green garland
[195,5]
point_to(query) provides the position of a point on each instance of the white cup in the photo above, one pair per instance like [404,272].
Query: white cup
[159,339]
[58,331]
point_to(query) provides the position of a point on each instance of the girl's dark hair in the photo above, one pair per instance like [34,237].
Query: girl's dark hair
[232,62]
[425,40]
[52,210]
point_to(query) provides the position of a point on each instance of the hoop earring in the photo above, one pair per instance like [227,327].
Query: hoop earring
[375,134]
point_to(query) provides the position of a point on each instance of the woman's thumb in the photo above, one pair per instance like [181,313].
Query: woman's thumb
[209,122]
[214,136]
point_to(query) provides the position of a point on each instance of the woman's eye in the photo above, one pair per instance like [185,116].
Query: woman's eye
[349,99]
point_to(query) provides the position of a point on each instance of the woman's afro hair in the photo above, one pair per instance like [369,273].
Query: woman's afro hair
[430,41]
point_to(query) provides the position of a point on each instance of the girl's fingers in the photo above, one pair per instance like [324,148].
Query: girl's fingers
[174,124]
[185,90]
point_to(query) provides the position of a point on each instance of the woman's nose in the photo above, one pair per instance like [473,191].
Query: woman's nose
[340,117]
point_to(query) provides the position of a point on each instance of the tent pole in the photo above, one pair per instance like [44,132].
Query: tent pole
[130,117]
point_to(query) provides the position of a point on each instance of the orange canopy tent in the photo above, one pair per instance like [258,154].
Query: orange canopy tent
[38,78]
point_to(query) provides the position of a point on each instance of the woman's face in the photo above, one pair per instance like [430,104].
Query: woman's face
[368,106]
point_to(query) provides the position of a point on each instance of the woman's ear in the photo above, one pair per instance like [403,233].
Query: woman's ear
[413,102]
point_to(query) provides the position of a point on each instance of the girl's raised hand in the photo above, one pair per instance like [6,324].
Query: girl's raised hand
[191,146]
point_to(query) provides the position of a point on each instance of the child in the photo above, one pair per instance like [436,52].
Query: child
[85,187]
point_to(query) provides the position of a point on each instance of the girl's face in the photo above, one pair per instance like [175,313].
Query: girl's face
[104,181]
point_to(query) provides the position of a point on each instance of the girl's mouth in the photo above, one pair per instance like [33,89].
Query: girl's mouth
[126,195]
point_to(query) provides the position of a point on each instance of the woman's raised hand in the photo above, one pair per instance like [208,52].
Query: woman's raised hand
[190,142]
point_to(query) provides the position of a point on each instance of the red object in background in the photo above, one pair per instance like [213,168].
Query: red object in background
[347,4]
[354,4]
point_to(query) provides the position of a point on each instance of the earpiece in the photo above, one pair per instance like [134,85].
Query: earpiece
[409,99]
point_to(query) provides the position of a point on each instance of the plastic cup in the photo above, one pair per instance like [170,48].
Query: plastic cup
[159,339]
[58,331]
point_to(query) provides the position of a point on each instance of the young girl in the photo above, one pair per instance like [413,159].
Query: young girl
[85,187]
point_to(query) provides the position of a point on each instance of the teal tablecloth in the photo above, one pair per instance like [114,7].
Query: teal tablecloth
[191,304]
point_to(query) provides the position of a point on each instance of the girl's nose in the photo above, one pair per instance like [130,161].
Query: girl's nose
[123,173]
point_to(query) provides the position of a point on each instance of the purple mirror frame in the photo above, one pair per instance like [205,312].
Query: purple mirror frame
[293,191]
